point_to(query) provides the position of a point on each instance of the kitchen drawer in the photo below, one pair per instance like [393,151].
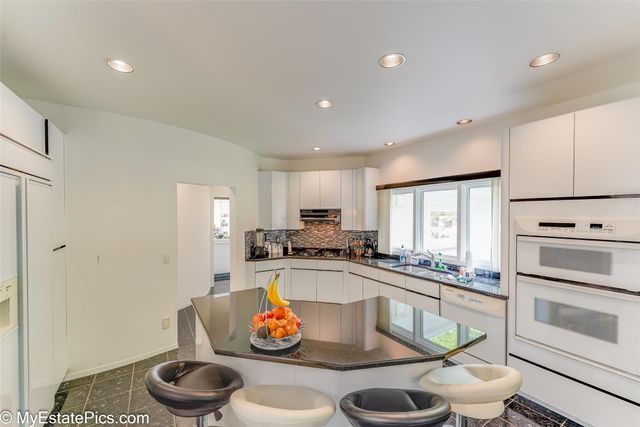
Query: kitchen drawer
[275,264]
[330,265]
[391,278]
[370,288]
[308,264]
[422,286]
[392,292]
[363,270]
[422,302]
[329,286]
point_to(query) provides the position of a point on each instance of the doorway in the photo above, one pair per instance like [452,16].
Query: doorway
[204,243]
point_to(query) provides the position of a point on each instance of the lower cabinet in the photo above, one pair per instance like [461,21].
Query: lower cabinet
[329,286]
[353,288]
[392,292]
[264,277]
[432,305]
[370,288]
[303,285]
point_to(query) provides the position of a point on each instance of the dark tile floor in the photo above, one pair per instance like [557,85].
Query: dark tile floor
[122,390]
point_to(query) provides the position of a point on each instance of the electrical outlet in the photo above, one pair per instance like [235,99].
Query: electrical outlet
[166,323]
[166,259]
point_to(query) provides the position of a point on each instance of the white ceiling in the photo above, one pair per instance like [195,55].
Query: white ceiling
[250,73]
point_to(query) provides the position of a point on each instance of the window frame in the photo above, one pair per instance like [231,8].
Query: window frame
[394,249]
[463,189]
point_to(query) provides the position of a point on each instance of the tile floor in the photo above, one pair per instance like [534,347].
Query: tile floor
[122,390]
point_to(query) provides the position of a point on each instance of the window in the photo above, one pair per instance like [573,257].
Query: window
[456,220]
[221,218]
[401,230]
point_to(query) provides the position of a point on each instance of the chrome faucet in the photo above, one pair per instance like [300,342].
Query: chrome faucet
[424,254]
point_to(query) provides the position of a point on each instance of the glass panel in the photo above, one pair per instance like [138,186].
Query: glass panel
[440,222]
[401,227]
[221,219]
[444,333]
[480,224]
[589,261]
[595,324]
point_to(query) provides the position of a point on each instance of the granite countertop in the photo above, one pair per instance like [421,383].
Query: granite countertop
[340,337]
[481,285]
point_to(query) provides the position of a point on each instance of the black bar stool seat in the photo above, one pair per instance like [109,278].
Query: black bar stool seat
[189,388]
[375,407]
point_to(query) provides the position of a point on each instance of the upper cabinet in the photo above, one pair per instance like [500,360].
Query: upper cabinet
[593,152]
[330,190]
[367,198]
[607,145]
[293,200]
[348,199]
[541,158]
[310,190]
[272,200]
[20,122]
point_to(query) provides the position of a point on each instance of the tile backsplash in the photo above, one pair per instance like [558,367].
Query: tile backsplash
[314,235]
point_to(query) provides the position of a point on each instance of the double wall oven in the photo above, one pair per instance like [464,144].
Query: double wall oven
[575,294]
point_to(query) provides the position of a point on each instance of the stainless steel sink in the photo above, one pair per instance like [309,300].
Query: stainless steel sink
[410,268]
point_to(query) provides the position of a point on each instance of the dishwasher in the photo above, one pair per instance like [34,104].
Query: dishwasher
[475,312]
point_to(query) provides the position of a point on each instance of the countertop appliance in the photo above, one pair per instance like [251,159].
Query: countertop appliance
[320,215]
[574,286]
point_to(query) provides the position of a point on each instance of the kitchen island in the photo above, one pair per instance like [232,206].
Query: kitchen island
[376,342]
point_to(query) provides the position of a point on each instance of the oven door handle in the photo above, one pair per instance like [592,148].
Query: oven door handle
[563,241]
[576,287]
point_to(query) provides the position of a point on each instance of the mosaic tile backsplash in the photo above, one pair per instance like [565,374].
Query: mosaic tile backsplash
[315,235]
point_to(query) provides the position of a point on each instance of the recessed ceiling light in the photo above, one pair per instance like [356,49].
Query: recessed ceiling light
[391,60]
[546,59]
[389,144]
[464,121]
[316,148]
[118,65]
[324,104]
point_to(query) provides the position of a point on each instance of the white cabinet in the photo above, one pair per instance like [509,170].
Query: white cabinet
[330,189]
[329,286]
[370,288]
[422,286]
[293,200]
[264,277]
[353,288]
[57,154]
[392,292]
[20,122]
[303,285]
[272,200]
[310,190]
[367,199]
[607,149]
[391,278]
[347,199]
[431,305]
[541,158]
[39,294]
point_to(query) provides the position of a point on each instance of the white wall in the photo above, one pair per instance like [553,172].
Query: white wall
[474,149]
[311,164]
[122,175]
[194,244]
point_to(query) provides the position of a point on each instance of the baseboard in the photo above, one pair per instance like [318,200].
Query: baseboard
[119,363]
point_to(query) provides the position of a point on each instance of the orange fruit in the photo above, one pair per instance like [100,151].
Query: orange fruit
[280,333]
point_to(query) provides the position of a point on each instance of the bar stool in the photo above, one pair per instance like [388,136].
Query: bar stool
[192,388]
[376,407]
[282,405]
[476,391]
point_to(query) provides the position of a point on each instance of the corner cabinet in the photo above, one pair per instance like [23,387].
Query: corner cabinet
[592,152]
[607,144]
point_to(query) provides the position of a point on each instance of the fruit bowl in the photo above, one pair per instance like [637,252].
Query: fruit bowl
[278,328]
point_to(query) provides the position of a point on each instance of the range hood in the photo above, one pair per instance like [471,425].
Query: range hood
[320,215]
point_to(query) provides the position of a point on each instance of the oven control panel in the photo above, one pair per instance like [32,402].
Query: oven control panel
[592,227]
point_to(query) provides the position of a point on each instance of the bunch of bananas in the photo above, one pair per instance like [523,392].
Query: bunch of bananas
[274,295]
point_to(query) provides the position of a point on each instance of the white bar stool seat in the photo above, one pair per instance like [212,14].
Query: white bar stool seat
[282,405]
[476,391]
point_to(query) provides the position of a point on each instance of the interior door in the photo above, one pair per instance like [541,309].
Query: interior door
[10,319]
[40,295]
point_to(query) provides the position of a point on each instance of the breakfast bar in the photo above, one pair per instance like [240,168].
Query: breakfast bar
[376,342]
